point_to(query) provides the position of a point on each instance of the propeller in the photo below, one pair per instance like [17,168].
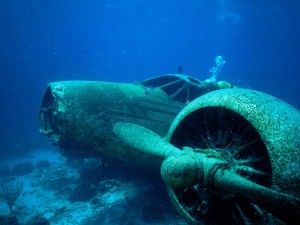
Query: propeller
[185,167]
[145,140]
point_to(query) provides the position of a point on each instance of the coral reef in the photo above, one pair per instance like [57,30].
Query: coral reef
[87,192]
[57,177]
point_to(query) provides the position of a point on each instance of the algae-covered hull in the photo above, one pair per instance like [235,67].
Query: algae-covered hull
[78,115]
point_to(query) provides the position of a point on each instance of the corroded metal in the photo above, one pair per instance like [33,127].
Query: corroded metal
[79,115]
[277,122]
[231,148]
[193,169]
[273,125]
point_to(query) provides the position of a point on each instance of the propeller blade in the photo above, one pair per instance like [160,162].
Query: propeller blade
[144,140]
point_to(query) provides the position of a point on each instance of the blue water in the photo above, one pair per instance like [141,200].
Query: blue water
[131,40]
[126,41]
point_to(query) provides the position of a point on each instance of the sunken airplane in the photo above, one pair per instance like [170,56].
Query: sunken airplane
[230,156]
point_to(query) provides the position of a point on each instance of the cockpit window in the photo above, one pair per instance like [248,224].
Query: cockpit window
[179,87]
